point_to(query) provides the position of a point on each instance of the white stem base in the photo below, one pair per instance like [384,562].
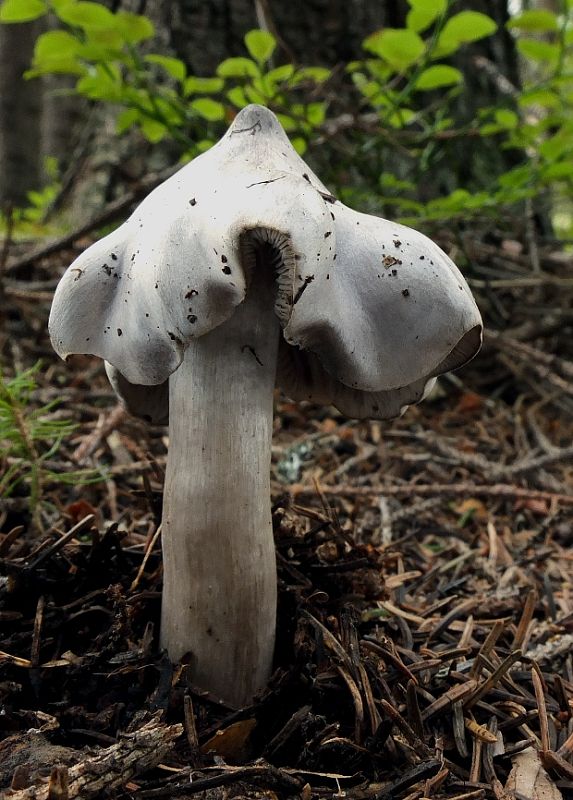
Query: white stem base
[219,596]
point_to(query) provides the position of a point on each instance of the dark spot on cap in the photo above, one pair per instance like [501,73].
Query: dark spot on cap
[224,259]
[119,332]
[114,257]
[332,215]
[227,270]
[146,314]
[192,318]
[327,234]
[422,258]
[192,202]
[106,268]
[406,292]
[156,285]
[397,242]
[191,293]
[305,176]
[174,338]
[394,272]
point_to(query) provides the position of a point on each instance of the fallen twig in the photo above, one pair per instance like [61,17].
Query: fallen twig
[111,767]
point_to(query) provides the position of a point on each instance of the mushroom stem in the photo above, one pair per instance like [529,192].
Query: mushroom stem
[219,596]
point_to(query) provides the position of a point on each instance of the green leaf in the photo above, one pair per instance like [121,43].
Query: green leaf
[535,21]
[556,146]
[109,50]
[172,66]
[56,52]
[538,51]
[87,15]
[194,85]
[153,130]
[262,87]
[315,113]
[539,97]
[316,74]
[255,96]
[399,119]
[238,97]
[127,119]
[260,44]
[467,26]
[299,145]
[288,123]
[56,5]
[280,74]
[101,84]
[22,10]
[564,169]
[388,180]
[204,144]
[134,28]
[55,44]
[209,109]
[399,48]
[238,68]
[507,119]
[423,13]
[437,77]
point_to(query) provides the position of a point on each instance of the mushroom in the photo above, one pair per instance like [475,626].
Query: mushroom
[239,270]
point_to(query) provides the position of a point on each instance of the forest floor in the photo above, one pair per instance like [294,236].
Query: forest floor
[425,628]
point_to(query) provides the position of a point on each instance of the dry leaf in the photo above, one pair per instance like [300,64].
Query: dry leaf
[472,505]
[540,507]
[529,780]
[232,743]
[469,402]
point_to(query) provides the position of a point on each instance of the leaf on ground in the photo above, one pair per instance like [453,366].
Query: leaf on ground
[529,780]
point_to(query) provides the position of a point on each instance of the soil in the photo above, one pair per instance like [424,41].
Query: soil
[425,624]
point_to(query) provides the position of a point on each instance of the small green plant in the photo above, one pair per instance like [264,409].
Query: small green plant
[406,65]
[257,81]
[400,97]
[103,51]
[31,219]
[31,435]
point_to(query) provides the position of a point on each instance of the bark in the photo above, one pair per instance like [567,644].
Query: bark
[61,116]
[312,31]
[20,108]
[106,771]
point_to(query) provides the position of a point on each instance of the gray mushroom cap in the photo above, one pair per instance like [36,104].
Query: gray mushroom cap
[371,311]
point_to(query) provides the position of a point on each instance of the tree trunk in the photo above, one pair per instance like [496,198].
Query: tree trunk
[20,108]
[311,31]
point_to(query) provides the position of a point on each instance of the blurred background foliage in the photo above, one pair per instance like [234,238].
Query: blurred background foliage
[429,111]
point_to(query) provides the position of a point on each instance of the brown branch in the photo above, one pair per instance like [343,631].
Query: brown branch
[429,489]
[111,212]
[111,767]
